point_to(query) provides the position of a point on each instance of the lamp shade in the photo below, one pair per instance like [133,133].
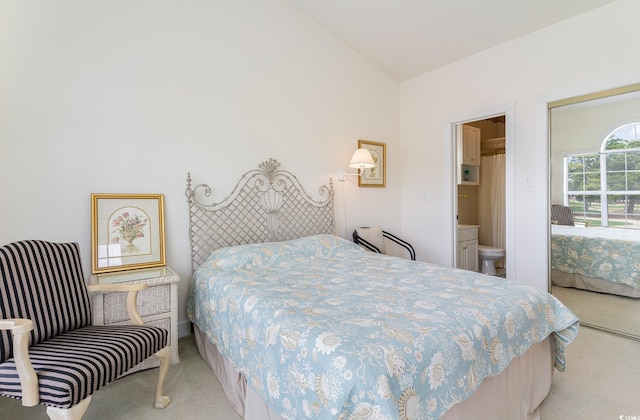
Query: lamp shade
[362,159]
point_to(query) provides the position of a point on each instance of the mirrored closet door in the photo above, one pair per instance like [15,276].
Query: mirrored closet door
[595,215]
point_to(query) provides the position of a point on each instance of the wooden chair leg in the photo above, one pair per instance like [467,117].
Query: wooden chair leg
[74,413]
[165,358]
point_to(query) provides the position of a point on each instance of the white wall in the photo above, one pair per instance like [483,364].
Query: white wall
[127,97]
[588,53]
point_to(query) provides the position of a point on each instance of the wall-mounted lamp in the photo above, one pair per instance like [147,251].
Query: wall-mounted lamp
[360,160]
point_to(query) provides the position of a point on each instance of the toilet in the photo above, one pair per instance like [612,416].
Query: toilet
[488,256]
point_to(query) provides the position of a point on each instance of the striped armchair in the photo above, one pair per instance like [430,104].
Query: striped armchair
[50,354]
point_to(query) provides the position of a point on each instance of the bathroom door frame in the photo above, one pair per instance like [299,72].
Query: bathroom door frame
[508,110]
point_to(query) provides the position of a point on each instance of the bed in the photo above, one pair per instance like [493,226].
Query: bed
[298,323]
[605,260]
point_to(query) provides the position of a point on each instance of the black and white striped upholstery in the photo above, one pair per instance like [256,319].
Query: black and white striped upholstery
[562,215]
[43,281]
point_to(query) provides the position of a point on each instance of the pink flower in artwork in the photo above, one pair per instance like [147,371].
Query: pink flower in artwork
[129,224]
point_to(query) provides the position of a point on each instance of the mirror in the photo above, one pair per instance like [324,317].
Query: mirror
[595,172]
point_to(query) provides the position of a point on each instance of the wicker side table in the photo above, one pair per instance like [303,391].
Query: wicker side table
[158,304]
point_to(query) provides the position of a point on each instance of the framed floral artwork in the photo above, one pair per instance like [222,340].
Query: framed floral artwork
[127,231]
[376,176]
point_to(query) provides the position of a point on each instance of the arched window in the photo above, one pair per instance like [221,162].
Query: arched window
[604,188]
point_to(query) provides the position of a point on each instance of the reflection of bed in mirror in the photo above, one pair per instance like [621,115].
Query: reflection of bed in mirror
[605,260]
[298,323]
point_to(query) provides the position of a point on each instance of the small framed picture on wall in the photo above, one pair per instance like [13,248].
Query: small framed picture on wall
[376,176]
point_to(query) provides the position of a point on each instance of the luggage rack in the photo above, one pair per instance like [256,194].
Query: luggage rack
[371,247]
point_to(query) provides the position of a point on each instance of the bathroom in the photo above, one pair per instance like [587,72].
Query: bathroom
[481,197]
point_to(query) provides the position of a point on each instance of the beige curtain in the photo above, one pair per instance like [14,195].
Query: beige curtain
[491,202]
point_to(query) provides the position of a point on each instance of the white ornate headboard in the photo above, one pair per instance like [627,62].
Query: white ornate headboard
[267,204]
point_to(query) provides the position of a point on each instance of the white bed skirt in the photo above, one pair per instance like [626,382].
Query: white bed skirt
[593,284]
[514,394]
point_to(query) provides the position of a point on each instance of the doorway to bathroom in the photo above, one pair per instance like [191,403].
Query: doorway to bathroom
[481,194]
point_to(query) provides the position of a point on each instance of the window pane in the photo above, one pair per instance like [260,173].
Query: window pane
[633,181]
[576,202]
[616,162]
[586,208]
[616,181]
[633,207]
[633,211]
[624,211]
[625,137]
[592,182]
[592,211]
[616,142]
[575,182]
[633,161]
[617,206]
[575,164]
[593,208]
[591,163]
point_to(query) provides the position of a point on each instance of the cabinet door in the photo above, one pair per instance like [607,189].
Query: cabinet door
[472,255]
[460,256]
[467,255]
[470,145]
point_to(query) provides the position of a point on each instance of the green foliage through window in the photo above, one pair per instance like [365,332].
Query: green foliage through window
[606,191]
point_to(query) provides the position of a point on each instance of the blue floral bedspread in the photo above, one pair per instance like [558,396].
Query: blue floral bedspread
[607,253]
[324,329]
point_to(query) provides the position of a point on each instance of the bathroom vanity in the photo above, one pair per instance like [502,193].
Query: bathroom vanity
[467,254]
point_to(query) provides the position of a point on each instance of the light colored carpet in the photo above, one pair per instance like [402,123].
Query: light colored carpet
[194,390]
[600,383]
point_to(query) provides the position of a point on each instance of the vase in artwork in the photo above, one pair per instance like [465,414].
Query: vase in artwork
[129,236]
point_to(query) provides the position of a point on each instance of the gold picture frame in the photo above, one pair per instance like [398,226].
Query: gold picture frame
[376,176]
[127,231]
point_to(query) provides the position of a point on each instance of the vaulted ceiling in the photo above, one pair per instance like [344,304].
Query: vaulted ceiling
[410,37]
